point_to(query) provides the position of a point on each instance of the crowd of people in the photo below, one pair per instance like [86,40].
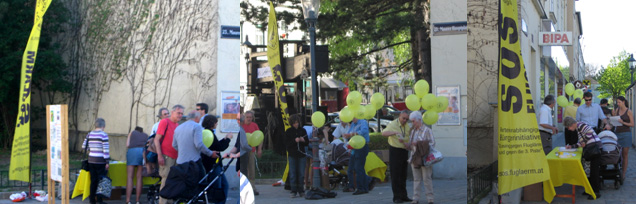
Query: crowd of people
[582,125]
[168,145]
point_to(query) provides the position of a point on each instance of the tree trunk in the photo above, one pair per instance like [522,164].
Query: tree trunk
[421,42]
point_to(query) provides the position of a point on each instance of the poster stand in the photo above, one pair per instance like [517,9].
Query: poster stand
[57,151]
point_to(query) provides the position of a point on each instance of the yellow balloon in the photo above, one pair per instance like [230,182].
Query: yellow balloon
[357,142]
[569,89]
[578,93]
[429,101]
[369,111]
[377,100]
[442,103]
[346,115]
[361,113]
[421,88]
[208,137]
[430,117]
[354,99]
[562,101]
[256,138]
[318,119]
[412,102]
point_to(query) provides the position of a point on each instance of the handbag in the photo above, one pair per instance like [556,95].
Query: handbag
[104,187]
[433,157]
[591,150]
[85,161]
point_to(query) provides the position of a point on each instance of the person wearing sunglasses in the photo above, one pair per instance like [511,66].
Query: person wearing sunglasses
[590,113]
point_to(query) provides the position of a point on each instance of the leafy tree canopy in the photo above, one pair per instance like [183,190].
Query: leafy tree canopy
[615,78]
[357,33]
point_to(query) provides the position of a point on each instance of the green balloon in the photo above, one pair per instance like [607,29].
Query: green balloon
[207,137]
[354,99]
[412,102]
[562,101]
[357,142]
[430,117]
[429,101]
[569,89]
[318,119]
[346,115]
[421,88]
[442,104]
[377,100]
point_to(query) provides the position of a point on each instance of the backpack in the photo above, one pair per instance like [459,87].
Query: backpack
[150,143]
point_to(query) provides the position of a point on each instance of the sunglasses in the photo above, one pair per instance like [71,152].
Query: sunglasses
[198,109]
[588,99]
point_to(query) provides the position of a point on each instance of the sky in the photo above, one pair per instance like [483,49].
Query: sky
[609,26]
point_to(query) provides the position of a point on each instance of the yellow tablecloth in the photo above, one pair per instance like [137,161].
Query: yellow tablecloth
[117,172]
[375,167]
[565,170]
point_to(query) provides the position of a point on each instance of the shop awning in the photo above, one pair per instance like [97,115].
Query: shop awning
[330,83]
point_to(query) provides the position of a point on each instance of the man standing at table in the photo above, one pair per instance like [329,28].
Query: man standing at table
[590,113]
[570,136]
[398,133]
[166,154]
[546,129]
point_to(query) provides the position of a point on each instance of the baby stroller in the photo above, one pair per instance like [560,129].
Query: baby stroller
[204,185]
[611,159]
[338,166]
[153,192]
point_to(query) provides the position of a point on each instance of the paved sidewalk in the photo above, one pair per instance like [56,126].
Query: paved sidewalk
[446,191]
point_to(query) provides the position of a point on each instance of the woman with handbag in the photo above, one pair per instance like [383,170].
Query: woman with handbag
[134,160]
[98,157]
[422,141]
[591,150]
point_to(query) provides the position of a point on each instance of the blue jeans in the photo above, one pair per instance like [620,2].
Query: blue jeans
[296,174]
[356,165]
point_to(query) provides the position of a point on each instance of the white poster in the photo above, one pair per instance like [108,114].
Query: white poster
[55,123]
[230,106]
[452,114]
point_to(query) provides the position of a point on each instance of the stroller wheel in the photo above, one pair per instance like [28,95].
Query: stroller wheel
[617,185]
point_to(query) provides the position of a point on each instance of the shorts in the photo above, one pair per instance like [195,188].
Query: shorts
[134,156]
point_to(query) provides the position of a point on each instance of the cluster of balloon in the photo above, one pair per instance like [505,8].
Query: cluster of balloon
[254,139]
[355,109]
[570,90]
[424,100]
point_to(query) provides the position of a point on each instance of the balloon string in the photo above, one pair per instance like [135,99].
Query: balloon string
[257,169]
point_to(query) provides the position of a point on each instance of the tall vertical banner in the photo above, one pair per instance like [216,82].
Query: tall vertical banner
[19,168]
[521,158]
[273,60]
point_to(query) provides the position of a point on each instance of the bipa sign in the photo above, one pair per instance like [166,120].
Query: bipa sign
[555,38]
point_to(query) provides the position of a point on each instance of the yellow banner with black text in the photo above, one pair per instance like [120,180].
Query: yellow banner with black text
[520,152]
[19,169]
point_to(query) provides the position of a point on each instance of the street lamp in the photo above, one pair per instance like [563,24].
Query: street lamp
[632,65]
[246,47]
[310,11]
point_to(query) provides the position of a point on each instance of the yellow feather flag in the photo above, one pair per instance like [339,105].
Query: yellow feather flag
[20,166]
[521,158]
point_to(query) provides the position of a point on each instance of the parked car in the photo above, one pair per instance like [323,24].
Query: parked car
[334,120]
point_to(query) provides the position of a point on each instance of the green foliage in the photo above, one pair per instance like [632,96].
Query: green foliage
[49,71]
[615,78]
[378,142]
